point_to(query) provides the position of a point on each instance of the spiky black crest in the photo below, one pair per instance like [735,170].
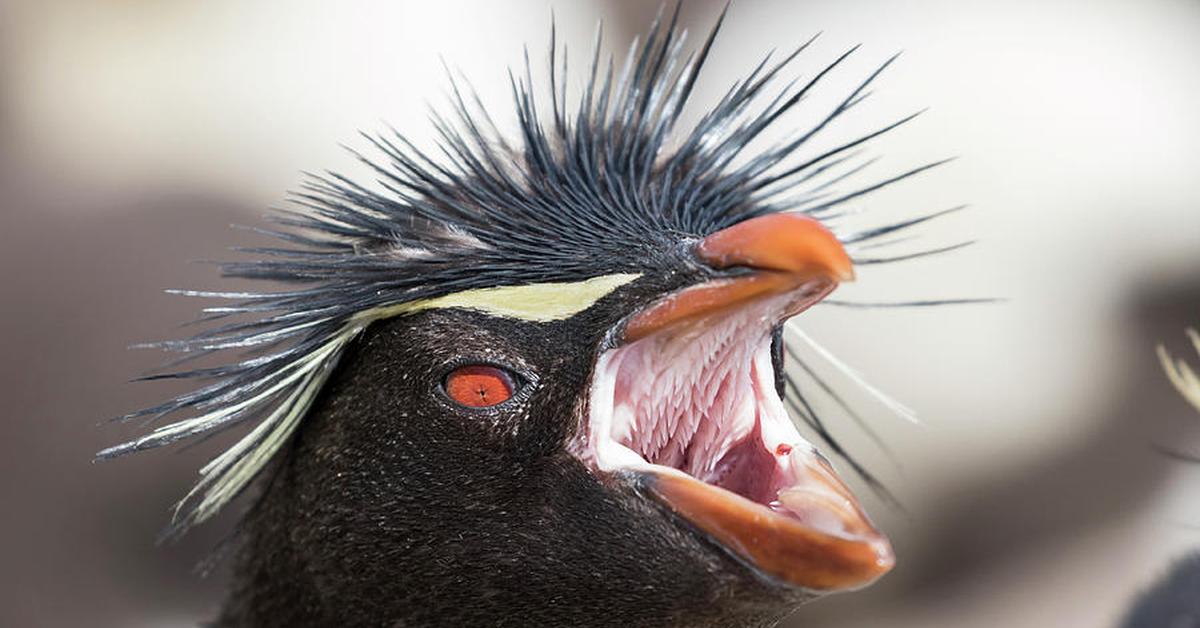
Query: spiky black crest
[580,192]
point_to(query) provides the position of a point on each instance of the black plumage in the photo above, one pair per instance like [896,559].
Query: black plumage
[419,532]
[383,502]
[1173,601]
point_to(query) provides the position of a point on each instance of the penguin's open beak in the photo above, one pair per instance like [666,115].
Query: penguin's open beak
[687,404]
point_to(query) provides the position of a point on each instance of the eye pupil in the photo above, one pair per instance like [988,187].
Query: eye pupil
[479,386]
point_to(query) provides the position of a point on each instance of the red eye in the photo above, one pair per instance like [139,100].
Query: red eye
[479,386]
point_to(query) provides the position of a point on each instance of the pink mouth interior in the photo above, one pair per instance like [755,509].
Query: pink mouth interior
[700,411]
[700,399]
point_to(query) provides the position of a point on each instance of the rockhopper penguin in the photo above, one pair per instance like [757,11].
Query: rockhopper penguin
[540,380]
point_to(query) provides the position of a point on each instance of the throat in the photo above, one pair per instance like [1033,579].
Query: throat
[697,400]
[748,469]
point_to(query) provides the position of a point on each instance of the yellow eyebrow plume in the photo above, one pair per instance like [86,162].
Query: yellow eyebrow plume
[539,302]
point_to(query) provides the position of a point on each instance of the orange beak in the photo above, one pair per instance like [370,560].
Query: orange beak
[821,541]
[832,546]
[786,250]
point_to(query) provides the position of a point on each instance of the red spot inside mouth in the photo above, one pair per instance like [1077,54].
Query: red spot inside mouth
[783,449]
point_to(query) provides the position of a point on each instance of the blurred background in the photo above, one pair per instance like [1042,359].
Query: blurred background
[132,133]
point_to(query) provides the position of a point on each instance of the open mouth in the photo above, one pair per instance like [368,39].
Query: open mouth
[688,404]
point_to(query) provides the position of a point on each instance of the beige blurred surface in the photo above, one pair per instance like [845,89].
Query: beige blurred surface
[132,133]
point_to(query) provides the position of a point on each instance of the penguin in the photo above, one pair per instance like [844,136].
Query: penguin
[541,380]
